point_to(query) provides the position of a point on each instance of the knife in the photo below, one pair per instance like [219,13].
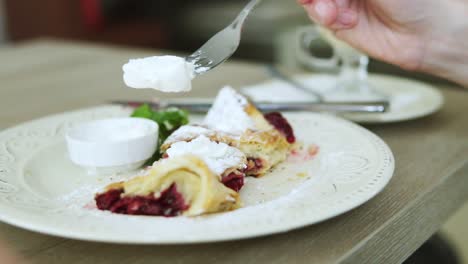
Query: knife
[203,105]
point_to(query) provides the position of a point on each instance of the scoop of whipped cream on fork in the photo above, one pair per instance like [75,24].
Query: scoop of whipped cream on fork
[163,73]
[174,74]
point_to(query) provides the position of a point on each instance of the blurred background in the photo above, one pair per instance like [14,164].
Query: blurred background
[165,24]
[180,25]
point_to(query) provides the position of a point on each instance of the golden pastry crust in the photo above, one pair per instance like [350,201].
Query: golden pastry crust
[261,124]
[269,147]
[200,188]
[264,147]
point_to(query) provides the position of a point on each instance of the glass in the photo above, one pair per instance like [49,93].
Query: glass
[352,80]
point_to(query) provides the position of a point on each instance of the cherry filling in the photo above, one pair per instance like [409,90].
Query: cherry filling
[277,120]
[234,181]
[254,166]
[104,201]
[170,203]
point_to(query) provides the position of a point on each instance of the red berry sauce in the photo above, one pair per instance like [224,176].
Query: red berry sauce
[170,203]
[234,181]
[277,120]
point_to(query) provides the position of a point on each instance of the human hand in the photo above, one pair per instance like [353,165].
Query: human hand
[423,35]
[7,256]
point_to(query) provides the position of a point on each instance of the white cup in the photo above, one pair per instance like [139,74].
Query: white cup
[113,145]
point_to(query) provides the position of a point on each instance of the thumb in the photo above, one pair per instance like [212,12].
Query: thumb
[329,14]
[323,12]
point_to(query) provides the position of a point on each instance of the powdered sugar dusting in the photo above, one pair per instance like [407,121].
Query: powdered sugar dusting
[83,196]
[218,156]
[80,198]
[188,132]
[228,113]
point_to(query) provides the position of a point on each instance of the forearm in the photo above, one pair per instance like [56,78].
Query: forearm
[446,53]
[447,59]
[7,257]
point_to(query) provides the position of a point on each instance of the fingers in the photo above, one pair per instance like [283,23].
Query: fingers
[334,14]
[347,18]
[323,12]
[342,3]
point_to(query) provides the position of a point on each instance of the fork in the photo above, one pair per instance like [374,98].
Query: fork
[222,45]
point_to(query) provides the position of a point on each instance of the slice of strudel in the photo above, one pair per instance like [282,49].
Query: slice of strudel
[264,139]
[182,185]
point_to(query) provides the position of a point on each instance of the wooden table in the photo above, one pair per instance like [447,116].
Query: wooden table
[430,182]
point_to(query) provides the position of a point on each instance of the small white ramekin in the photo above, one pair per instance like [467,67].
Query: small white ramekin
[112,145]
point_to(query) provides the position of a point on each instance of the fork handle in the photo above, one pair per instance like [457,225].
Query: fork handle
[240,19]
[336,107]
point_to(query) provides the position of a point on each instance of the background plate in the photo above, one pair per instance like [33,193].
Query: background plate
[408,99]
[41,190]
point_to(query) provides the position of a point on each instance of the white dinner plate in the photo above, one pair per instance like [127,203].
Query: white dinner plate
[41,190]
[408,99]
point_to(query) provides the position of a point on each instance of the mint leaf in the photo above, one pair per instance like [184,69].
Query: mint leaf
[168,120]
[144,111]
